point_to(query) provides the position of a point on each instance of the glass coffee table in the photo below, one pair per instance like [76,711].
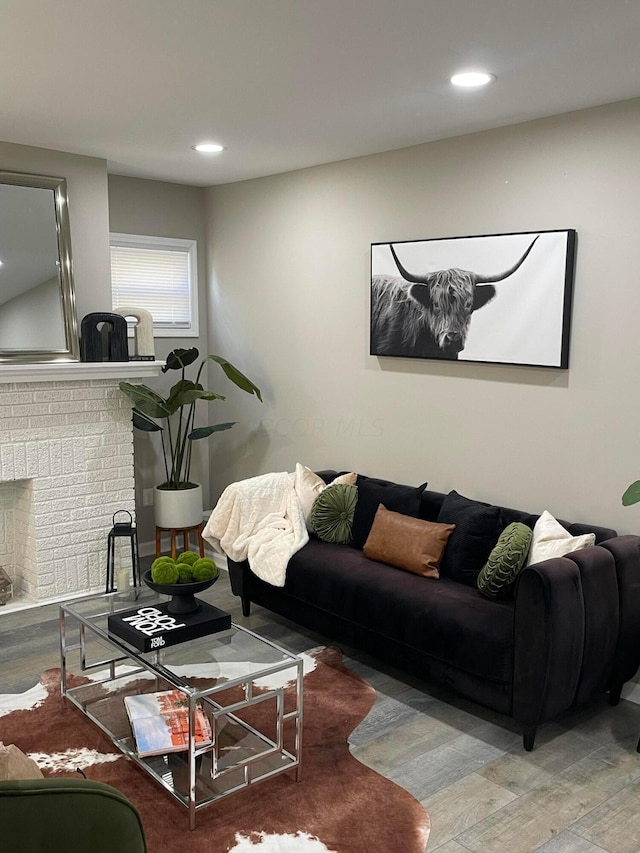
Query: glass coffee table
[237,677]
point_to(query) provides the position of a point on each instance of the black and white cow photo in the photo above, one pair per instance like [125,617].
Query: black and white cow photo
[502,298]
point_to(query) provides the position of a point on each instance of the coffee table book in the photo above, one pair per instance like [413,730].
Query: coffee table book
[160,722]
[151,627]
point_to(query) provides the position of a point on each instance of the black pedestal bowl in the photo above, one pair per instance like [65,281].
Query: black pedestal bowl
[182,594]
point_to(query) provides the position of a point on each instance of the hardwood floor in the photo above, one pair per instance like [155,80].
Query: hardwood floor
[577,792]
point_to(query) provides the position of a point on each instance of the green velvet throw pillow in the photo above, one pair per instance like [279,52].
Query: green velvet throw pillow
[505,560]
[331,516]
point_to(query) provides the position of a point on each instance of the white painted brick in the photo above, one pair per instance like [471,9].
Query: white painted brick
[79,418]
[69,481]
[7,469]
[55,458]
[34,386]
[102,428]
[14,398]
[122,442]
[99,452]
[8,424]
[44,466]
[69,470]
[20,460]
[95,468]
[49,395]
[28,410]
[66,407]
[62,497]
[32,459]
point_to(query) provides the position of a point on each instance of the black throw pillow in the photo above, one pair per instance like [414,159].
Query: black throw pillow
[478,526]
[395,497]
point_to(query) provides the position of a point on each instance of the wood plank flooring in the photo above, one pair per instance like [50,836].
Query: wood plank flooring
[577,792]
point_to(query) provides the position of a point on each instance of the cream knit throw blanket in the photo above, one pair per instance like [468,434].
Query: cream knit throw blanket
[259,520]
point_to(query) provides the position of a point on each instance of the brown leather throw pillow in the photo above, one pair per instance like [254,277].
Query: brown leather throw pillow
[407,543]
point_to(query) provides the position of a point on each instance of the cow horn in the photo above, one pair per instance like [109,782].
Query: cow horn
[479,279]
[416,279]
[489,279]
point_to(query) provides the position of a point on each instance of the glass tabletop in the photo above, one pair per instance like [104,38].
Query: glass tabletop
[232,655]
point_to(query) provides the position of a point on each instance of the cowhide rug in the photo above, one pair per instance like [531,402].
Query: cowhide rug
[340,806]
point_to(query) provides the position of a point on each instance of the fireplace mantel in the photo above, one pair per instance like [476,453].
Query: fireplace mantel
[72,371]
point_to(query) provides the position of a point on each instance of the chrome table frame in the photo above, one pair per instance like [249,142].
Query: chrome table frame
[207,773]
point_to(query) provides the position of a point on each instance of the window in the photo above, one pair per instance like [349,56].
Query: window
[160,275]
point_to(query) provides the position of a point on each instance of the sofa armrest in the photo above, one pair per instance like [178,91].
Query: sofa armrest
[567,628]
[548,640]
[626,553]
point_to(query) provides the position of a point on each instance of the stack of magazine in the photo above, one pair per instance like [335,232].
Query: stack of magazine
[160,722]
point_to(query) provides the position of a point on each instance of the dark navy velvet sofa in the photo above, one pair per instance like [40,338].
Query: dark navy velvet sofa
[570,629]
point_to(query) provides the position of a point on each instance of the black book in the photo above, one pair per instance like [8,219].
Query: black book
[151,627]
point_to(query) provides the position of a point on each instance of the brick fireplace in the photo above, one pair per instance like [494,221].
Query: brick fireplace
[66,466]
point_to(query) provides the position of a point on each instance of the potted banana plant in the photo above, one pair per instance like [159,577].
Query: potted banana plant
[178,500]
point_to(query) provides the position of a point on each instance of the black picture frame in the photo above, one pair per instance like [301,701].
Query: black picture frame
[490,298]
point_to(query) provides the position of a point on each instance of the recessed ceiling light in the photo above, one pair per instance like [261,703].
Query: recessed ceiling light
[208,148]
[470,79]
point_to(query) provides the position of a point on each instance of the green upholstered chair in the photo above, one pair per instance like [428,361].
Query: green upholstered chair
[67,816]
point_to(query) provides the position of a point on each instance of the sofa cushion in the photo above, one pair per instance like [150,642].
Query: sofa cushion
[551,539]
[308,485]
[331,517]
[444,619]
[477,530]
[499,573]
[407,543]
[373,492]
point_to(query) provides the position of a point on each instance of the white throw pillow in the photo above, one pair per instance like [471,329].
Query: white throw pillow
[550,539]
[308,485]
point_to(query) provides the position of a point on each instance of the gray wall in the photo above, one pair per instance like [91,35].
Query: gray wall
[162,209]
[288,282]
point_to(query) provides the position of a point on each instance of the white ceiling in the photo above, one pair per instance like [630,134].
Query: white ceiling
[285,84]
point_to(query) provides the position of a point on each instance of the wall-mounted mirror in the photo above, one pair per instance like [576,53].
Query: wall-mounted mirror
[37,301]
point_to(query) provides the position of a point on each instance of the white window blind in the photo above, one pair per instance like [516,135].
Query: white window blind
[159,275]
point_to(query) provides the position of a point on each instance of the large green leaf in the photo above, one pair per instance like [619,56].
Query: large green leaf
[175,399]
[203,432]
[632,495]
[199,394]
[180,358]
[144,423]
[186,392]
[236,377]
[146,400]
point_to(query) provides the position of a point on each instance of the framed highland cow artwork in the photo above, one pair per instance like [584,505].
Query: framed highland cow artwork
[493,298]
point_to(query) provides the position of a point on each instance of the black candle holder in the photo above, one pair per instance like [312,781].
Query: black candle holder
[122,529]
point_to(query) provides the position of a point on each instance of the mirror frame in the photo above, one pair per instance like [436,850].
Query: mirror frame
[71,350]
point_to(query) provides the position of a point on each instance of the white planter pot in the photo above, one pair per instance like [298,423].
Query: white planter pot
[177,507]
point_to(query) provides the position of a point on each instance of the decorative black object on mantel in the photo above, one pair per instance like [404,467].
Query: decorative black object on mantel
[121,578]
[103,337]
